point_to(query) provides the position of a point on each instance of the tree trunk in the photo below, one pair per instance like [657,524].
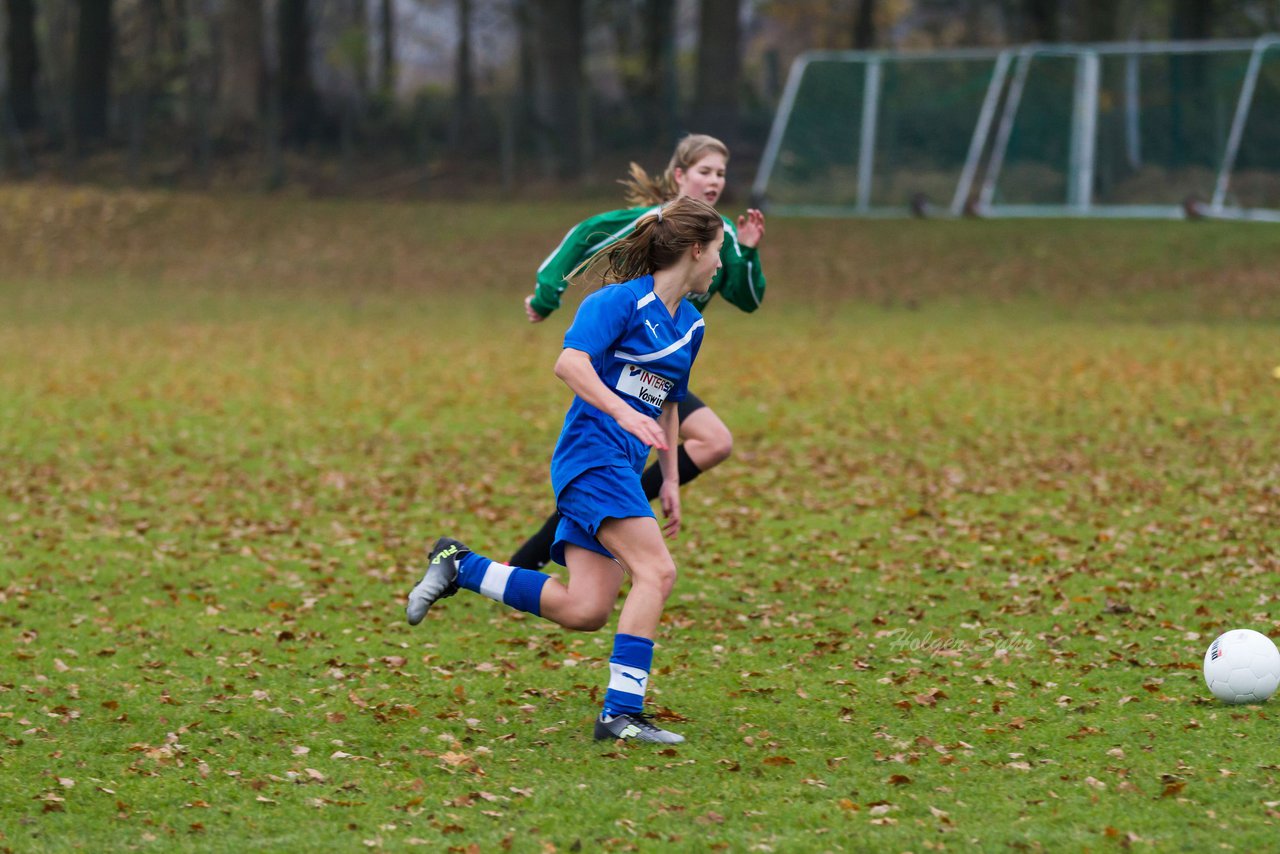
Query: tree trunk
[1040,20]
[297,91]
[864,25]
[558,37]
[1099,20]
[24,63]
[360,43]
[201,85]
[1188,78]
[387,53]
[522,103]
[92,74]
[719,69]
[658,86]
[463,82]
[143,81]
[240,91]
[1192,19]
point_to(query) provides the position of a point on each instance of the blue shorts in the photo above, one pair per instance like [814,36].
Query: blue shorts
[609,492]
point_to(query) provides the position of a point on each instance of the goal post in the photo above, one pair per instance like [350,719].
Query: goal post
[1128,129]
[865,133]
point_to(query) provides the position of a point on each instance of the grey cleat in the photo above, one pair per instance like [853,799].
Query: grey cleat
[439,581]
[634,727]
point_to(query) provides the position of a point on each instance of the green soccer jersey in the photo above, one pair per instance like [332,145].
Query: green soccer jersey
[739,280]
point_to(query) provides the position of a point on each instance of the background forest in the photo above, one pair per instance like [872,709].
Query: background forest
[457,97]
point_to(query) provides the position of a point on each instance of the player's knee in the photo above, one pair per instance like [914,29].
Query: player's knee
[669,580]
[587,617]
[719,446]
[660,574]
[594,620]
[707,439]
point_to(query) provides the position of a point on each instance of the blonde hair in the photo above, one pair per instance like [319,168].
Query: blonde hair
[657,242]
[643,190]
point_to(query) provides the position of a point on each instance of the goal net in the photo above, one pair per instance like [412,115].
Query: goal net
[1129,129]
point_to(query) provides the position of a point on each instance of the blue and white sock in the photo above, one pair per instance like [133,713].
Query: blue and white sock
[629,668]
[518,588]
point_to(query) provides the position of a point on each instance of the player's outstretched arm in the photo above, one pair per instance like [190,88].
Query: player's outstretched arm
[741,281]
[574,368]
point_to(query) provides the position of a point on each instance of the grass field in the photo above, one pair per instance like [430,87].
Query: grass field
[996,486]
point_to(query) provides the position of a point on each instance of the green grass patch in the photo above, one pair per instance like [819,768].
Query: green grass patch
[995,488]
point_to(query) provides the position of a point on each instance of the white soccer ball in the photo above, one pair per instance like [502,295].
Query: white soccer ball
[1242,666]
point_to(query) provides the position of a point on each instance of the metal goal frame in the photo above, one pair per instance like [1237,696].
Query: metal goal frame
[975,190]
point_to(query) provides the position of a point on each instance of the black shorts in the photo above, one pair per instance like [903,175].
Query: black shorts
[691,404]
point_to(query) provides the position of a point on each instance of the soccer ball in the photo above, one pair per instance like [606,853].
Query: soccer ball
[1242,666]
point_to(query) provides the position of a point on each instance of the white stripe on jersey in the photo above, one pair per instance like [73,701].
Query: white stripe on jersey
[649,357]
[620,233]
[556,251]
[751,286]
[617,235]
[733,233]
[645,300]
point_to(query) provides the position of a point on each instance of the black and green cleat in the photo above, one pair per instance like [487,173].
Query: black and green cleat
[633,727]
[439,581]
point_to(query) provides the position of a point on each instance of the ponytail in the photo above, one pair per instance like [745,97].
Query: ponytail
[657,242]
[644,190]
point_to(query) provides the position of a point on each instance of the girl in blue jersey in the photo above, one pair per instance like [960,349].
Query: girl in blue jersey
[627,358]
[697,169]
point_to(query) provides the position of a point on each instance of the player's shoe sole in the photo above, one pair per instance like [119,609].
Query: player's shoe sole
[637,727]
[439,581]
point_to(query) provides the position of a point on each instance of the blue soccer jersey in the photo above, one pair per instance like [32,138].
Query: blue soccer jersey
[643,354]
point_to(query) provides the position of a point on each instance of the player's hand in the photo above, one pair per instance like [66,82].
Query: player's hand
[669,496]
[643,428]
[529,311]
[751,228]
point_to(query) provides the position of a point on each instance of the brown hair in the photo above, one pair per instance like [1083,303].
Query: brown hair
[645,190]
[657,242]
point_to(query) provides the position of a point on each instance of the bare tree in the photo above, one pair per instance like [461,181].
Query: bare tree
[647,60]
[200,72]
[1191,19]
[558,27]
[387,51]
[243,78]
[1041,20]
[357,34]
[719,69]
[1099,21]
[864,25]
[522,111]
[91,76]
[298,103]
[660,62]
[1188,77]
[463,81]
[141,75]
[24,63]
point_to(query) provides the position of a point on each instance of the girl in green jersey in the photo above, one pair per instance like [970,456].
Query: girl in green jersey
[697,169]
